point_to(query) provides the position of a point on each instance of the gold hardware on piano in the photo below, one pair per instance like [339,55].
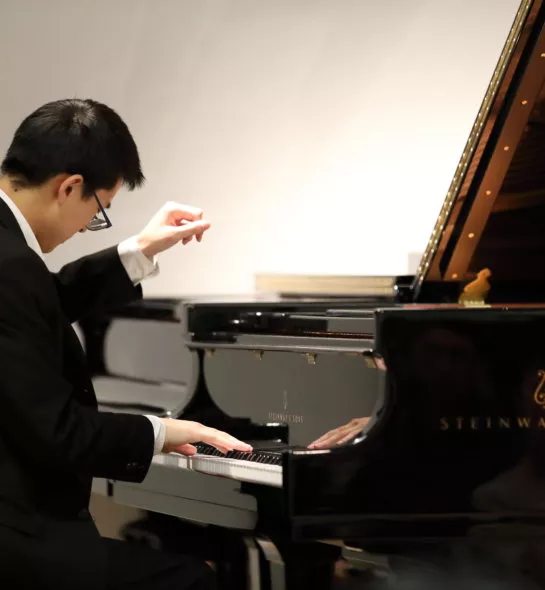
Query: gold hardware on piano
[474,294]
[501,422]
[311,358]
[258,355]
[539,393]
[370,361]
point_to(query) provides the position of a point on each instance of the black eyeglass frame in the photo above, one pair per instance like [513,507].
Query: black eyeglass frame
[96,223]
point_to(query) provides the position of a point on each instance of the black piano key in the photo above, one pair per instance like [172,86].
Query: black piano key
[266,456]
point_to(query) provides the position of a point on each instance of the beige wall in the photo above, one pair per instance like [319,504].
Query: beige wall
[318,135]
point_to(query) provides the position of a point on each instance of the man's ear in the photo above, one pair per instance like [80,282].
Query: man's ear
[69,185]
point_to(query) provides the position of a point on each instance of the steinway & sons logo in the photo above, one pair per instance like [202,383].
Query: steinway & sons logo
[501,422]
[285,416]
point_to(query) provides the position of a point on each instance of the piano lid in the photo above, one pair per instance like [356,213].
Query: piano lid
[493,216]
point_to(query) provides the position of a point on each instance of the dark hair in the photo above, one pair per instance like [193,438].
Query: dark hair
[74,136]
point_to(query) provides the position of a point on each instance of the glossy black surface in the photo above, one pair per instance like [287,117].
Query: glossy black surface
[217,321]
[447,479]
[456,413]
[459,440]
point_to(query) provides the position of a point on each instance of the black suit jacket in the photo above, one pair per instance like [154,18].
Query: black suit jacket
[53,441]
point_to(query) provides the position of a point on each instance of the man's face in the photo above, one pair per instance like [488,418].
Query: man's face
[75,212]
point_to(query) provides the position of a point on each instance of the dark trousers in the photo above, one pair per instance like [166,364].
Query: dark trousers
[70,555]
[135,567]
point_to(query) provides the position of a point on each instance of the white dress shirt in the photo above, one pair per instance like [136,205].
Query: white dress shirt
[137,265]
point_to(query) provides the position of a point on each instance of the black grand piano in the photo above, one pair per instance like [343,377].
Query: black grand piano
[404,425]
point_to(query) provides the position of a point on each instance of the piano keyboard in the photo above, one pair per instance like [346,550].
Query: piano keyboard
[263,467]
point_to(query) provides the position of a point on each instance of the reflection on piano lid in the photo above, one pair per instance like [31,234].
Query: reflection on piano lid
[138,358]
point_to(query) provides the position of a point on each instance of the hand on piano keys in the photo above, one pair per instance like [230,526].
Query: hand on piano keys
[341,434]
[179,434]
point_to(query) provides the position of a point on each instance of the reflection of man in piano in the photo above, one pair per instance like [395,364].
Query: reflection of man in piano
[444,372]
[437,374]
[62,171]
[340,435]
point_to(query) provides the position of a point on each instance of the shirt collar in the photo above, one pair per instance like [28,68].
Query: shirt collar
[28,234]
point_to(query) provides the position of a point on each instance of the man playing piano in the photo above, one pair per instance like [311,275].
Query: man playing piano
[62,171]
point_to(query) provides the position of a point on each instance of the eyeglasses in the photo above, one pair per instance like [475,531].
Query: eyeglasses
[100,220]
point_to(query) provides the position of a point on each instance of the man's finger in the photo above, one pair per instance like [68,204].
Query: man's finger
[187,450]
[352,434]
[188,230]
[327,439]
[225,441]
[178,211]
[324,437]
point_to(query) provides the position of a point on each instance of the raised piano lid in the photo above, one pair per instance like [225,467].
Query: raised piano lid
[493,216]
[491,227]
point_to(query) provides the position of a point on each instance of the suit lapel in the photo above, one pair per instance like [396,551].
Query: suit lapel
[75,361]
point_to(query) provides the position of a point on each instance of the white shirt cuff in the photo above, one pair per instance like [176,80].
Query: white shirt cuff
[159,432]
[137,265]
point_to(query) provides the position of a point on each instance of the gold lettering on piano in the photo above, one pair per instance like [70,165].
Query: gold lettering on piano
[288,418]
[491,423]
[501,422]
[539,393]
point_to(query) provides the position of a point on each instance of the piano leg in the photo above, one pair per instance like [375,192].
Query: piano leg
[275,571]
[294,566]
[253,581]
